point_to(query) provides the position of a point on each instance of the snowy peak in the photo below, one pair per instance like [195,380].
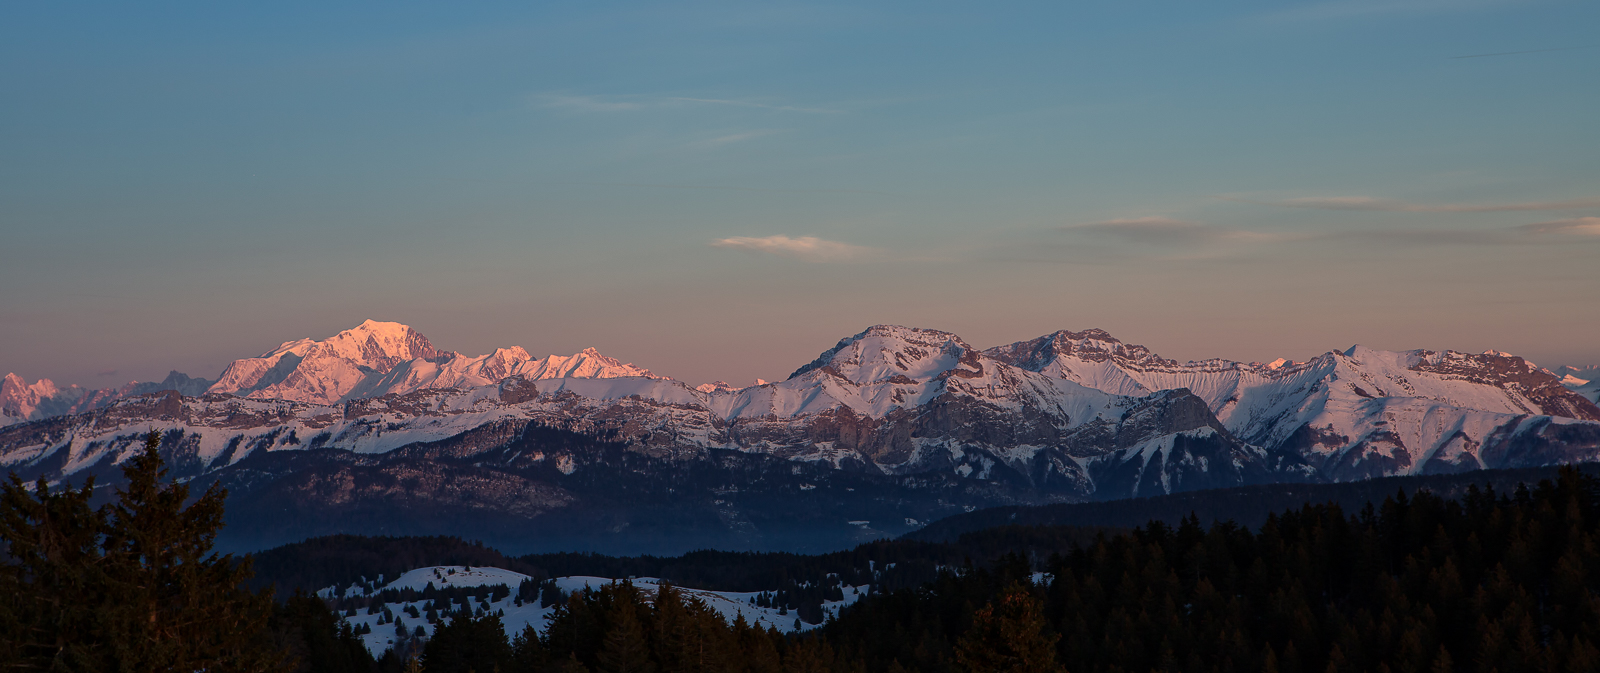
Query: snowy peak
[326,371]
[383,358]
[19,400]
[375,345]
[1510,373]
[1092,345]
[585,364]
[894,354]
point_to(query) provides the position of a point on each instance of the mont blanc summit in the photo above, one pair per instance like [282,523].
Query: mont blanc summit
[382,358]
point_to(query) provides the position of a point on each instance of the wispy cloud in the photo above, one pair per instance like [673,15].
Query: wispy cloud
[753,104]
[1515,53]
[106,372]
[805,248]
[588,104]
[731,138]
[1398,206]
[1354,9]
[610,104]
[1583,226]
[1165,230]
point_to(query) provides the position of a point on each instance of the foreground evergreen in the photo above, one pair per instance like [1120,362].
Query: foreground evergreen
[133,586]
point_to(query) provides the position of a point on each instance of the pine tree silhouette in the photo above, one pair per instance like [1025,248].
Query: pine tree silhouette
[625,650]
[1007,635]
[132,586]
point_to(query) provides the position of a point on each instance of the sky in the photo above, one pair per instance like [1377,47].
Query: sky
[722,190]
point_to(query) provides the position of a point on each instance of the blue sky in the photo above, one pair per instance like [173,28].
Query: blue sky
[720,190]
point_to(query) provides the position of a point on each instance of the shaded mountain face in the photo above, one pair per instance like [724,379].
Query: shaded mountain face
[381,433]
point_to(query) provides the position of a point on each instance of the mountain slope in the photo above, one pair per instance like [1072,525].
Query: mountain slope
[1584,381]
[20,401]
[1352,414]
[383,358]
[887,428]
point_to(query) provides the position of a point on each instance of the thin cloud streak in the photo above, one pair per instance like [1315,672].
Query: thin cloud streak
[764,106]
[1514,53]
[612,104]
[804,248]
[734,138]
[1352,9]
[1396,206]
[588,104]
[1166,230]
[1584,226]
[726,188]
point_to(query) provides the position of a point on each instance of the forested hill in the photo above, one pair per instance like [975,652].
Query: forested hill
[980,536]
[1492,581]
[343,560]
[1248,506]
[347,559]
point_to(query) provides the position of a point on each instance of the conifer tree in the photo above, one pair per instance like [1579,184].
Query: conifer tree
[625,650]
[50,576]
[1007,636]
[467,644]
[132,586]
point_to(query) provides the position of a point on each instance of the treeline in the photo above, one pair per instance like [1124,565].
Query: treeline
[619,627]
[798,583]
[1247,506]
[1494,581]
[344,560]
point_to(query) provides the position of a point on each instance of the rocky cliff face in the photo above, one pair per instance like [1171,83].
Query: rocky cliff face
[1350,414]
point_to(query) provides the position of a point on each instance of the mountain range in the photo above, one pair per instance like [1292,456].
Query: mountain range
[375,430]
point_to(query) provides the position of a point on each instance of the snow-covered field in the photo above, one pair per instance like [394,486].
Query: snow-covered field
[730,604]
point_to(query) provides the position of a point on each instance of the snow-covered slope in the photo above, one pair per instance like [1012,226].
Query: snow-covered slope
[1066,416]
[890,400]
[383,358]
[20,401]
[388,619]
[1584,381]
[1355,413]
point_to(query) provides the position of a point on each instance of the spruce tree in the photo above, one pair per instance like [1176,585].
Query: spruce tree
[132,586]
[467,644]
[51,576]
[1007,635]
[625,650]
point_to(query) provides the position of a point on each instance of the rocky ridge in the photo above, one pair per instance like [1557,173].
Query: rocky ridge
[922,423]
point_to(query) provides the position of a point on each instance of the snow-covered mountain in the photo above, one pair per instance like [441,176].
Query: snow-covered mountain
[382,358]
[371,360]
[1584,381]
[890,400]
[382,623]
[377,414]
[1352,414]
[21,401]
